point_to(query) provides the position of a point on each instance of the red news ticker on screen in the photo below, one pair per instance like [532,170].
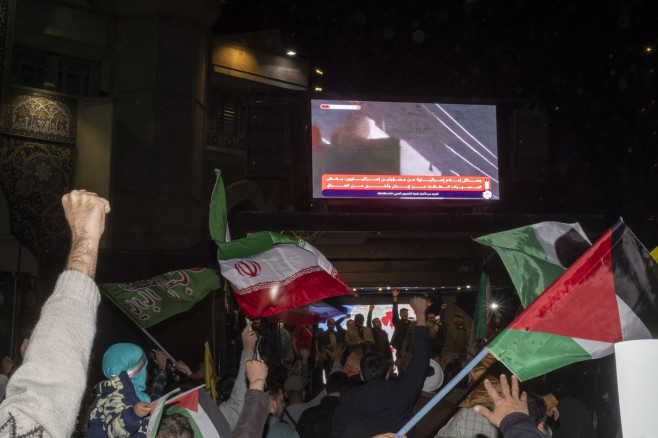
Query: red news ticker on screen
[406,182]
[340,106]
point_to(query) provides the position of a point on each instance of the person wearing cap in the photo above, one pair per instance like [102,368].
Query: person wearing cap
[295,392]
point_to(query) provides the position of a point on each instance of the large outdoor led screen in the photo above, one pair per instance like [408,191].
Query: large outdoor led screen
[369,149]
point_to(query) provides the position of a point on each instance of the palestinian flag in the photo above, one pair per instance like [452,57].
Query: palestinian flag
[205,417]
[535,255]
[148,302]
[271,273]
[609,295]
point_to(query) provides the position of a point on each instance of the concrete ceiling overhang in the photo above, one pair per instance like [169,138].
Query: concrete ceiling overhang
[405,250]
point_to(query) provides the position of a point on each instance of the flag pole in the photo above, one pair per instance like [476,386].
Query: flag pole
[157,344]
[444,391]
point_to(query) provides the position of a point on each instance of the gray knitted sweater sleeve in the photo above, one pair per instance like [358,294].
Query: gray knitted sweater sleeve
[44,394]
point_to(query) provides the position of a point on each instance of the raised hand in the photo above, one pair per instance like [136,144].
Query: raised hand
[419,305]
[85,213]
[160,359]
[249,338]
[472,347]
[182,366]
[505,403]
[337,353]
[256,374]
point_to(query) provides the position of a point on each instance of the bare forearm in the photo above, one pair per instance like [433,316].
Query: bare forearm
[85,213]
[83,256]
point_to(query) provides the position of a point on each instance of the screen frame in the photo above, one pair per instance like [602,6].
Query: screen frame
[384,204]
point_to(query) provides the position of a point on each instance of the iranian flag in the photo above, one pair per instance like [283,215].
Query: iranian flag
[148,302]
[202,412]
[273,273]
[608,295]
[535,255]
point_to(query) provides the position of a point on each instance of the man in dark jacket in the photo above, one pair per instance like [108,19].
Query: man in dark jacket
[316,421]
[381,344]
[384,405]
[333,335]
[400,322]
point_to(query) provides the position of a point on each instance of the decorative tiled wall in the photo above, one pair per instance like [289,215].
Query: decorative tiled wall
[39,115]
[37,163]
[34,176]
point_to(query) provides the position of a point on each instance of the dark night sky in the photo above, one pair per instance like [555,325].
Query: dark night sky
[590,65]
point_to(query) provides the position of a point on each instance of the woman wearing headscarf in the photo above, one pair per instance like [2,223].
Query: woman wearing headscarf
[121,407]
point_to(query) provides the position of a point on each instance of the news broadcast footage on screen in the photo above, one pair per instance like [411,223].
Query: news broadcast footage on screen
[373,149]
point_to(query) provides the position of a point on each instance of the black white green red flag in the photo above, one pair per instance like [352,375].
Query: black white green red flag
[608,295]
[273,273]
[535,255]
[196,404]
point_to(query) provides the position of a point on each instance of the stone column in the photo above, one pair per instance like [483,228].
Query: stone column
[160,71]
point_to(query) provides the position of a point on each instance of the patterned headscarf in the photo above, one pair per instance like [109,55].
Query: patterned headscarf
[131,359]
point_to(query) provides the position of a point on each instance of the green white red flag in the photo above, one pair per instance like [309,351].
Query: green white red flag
[608,295]
[536,255]
[272,273]
[148,302]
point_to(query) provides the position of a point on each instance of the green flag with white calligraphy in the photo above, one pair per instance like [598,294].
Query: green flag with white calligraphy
[148,302]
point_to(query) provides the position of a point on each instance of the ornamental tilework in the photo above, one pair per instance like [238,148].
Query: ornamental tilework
[34,176]
[39,115]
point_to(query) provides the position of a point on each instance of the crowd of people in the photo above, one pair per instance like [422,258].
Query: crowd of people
[319,383]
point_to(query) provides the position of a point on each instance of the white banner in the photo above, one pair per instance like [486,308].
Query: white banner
[637,380]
